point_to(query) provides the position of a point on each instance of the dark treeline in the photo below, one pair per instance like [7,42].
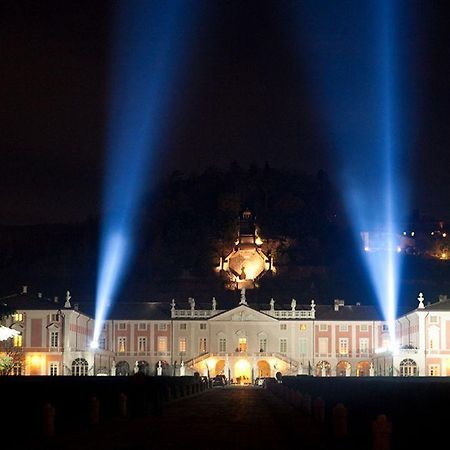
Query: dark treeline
[187,223]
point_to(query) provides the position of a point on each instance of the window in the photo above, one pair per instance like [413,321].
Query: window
[17,317]
[102,343]
[434,370]
[54,339]
[80,367]
[162,326]
[343,346]
[17,369]
[182,344]
[182,326]
[323,346]
[203,326]
[142,344]
[18,340]
[364,345]
[202,345]
[53,369]
[303,347]
[122,326]
[303,327]
[385,327]
[343,327]
[408,368]
[433,319]
[263,345]
[283,326]
[323,327]
[243,344]
[222,344]
[121,344]
[364,327]
[54,317]
[104,326]
[162,344]
[142,326]
[283,345]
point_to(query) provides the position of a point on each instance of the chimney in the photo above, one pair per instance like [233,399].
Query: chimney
[337,303]
[24,289]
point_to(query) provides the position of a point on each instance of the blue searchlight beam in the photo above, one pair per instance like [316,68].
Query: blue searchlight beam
[149,43]
[355,76]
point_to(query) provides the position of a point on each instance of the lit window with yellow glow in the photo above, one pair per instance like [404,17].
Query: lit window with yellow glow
[17,317]
[222,345]
[343,346]
[243,344]
[121,344]
[18,340]
[202,345]
[162,344]
[182,344]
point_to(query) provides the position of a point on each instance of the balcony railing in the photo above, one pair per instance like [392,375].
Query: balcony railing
[194,313]
[302,314]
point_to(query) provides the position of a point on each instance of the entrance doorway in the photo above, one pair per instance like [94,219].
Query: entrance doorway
[242,372]
[220,367]
[263,369]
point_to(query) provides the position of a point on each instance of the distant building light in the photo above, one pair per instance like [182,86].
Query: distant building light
[404,233]
[432,233]
[366,249]
[444,234]
[412,233]
[444,255]
[399,249]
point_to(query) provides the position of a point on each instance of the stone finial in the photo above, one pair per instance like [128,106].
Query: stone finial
[67,303]
[313,308]
[293,304]
[272,304]
[243,299]
[192,303]
[172,304]
[214,303]
[421,299]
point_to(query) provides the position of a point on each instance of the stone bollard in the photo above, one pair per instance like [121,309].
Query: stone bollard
[48,420]
[340,421]
[123,405]
[381,433]
[95,411]
[319,410]
[306,404]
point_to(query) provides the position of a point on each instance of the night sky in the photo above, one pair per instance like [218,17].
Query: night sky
[245,95]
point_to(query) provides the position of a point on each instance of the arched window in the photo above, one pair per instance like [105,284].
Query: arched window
[408,368]
[122,368]
[80,367]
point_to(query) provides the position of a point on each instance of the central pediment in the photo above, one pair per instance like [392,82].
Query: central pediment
[242,313]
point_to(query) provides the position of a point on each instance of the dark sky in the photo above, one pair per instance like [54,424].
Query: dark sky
[245,95]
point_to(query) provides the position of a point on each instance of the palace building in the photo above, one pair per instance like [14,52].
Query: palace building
[238,339]
[242,341]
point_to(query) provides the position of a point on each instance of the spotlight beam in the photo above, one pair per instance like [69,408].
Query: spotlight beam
[149,45]
[355,75]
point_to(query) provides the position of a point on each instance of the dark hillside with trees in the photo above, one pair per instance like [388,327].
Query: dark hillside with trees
[191,220]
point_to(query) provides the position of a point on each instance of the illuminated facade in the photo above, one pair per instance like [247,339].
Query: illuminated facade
[247,262]
[243,342]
